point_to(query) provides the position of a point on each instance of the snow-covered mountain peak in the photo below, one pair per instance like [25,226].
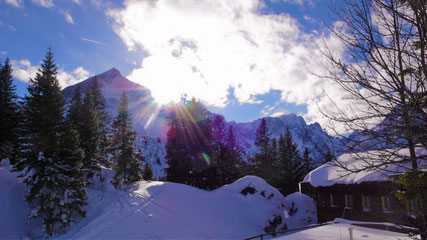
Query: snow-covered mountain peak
[151,122]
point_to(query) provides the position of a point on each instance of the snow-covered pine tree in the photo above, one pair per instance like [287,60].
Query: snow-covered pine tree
[127,165]
[90,136]
[68,193]
[9,114]
[104,125]
[50,157]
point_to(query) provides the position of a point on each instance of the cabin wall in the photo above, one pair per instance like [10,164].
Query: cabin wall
[398,214]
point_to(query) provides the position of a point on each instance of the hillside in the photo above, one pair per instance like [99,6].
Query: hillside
[159,210]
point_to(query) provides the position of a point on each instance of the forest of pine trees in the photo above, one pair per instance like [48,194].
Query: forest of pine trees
[204,153]
[278,161]
[128,167]
[59,147]
[200,152]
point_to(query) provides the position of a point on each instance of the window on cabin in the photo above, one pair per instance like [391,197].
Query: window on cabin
[413,205]
[386,203]
[333,197]
[366,203]
[348,201]
[321,199]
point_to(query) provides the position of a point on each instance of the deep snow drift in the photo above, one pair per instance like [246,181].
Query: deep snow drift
[163,210]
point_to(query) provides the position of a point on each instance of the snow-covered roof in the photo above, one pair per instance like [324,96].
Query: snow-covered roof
[329,174]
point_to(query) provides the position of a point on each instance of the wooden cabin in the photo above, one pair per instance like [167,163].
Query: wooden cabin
[365,196]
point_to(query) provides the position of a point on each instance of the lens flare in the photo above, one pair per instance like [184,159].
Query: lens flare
[149,121]
[207,158]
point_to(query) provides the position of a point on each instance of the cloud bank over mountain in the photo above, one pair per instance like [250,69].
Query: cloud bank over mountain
[204,50]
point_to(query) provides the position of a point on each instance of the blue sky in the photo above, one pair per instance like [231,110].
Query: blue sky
[138,38]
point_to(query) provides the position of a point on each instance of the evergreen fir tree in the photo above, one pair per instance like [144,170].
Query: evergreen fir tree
[272,169]
[148,172]
[226,155]
[104,128]
[307,162]
[50,160]
[289,163]
[75,110]
[70,181]
[189,145]
[328,156]
[233,159]
[90,136]
[9,114]
[140,156]
[128,166]
[42,112]
[263,160]
[262,136]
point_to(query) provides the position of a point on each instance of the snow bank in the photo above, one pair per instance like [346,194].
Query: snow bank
[169,210]
[302,211]
[160,210]
[328,175]
[340,231]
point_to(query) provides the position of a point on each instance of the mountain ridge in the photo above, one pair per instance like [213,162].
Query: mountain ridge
[151,123]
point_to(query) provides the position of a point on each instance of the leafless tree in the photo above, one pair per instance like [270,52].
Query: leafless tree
[383,72]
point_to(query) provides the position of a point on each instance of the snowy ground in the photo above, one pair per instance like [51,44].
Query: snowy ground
[160,210]
[13,208]
[340,232]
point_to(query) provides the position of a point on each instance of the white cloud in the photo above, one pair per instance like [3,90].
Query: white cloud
[278,113]
[310,3]
[8,25]
[309,19]
[77,2]
[68,17]
[23,70]
[204,49]
[101,4]
[43,3]
[299,2]
[15,3]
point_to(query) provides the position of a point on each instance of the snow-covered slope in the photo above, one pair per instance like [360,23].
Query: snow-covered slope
[162,210]
[149,119]
[158,210]
[13,208]
[142,104]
